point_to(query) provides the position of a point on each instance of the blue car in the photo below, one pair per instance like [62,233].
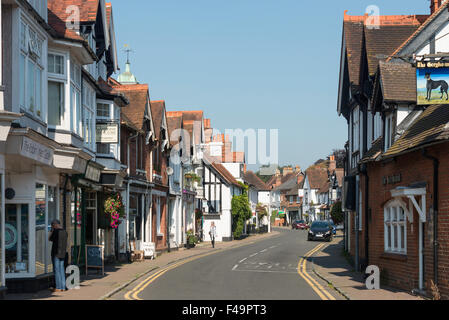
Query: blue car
[334,228]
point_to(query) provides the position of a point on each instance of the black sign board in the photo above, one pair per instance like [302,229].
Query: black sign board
[95,257]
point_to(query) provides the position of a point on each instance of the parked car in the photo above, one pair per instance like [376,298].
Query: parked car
[320,230]
[334,228]
[300,224]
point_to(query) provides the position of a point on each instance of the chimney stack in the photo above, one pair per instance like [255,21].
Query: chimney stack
[332,164]
[435,5]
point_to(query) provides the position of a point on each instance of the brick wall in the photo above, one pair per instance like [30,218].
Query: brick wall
[402,271]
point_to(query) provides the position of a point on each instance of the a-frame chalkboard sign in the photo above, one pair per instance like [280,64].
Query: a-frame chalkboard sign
[95,258]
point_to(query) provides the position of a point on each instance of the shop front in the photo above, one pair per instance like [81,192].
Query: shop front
[31,202]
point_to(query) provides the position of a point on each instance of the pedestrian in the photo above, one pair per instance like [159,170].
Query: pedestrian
[213,233]
[58,236]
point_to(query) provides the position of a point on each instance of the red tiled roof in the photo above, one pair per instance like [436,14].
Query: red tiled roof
[174,123]
[251,178]
[138,96]
[317,177]
[157,113]
[57,15]
[224,173]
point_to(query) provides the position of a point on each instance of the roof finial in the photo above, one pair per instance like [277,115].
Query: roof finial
[127,50]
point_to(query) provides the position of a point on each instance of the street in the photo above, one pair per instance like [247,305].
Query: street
[265,270]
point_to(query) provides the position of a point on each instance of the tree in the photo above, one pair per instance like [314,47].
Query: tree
[336,213]
[241,212]
[340,157]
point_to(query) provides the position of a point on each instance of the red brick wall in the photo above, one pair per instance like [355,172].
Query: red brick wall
[403,271]
[161,241]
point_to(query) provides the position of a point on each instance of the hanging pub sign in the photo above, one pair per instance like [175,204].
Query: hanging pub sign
[432,79]
[92,173]
[107,132]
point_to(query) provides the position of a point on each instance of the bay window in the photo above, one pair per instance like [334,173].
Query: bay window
[89,100]
[395,228]
[55,103]
[30,71]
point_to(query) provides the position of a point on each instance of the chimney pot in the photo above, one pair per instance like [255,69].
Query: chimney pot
[435,5]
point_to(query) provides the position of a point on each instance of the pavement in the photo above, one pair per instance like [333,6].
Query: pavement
[119,276]
[331,265]
[274,268]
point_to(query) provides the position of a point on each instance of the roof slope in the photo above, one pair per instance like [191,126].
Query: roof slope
[174,123]
[138,97]
[431,126]
[157,112]
[252,179]
[222,171]
[398,81]
[317,177]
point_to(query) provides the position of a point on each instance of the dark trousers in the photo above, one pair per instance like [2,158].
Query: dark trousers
[213,242]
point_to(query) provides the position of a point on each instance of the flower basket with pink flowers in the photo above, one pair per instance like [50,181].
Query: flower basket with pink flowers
[114,209]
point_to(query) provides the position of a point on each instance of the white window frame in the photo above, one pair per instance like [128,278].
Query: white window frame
[88,115]
[356,129]
[38,58]
[63,79]
[389,131]
[158,216]
[395,224]
[110,118]
[76,105]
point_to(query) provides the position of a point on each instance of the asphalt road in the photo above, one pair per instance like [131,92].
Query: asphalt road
[264,270]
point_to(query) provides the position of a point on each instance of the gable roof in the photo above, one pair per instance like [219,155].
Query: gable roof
[317,177]
[174,123]
[353,37]
[138,96]
[157,111]
[429,20]
[192,122]
[222,171]
[252,179]
[430,127]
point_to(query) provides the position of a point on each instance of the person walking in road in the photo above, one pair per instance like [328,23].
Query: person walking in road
[58,236]
[213,233]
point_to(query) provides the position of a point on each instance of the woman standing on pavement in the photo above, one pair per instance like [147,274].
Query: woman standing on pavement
[213,233]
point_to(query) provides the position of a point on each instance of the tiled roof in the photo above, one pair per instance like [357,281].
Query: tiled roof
[381,42]
[192,121]
[224,173]
[317,177]
[398,81]
[430,127]
[252,179]
[174,123]
[340,173]
[109,90]
[138,97]
[157,113]
[57,15]
[353,31]
[127,122]
[293,191]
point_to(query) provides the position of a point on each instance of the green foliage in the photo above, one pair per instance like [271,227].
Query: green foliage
[241,211]
[261,211]
[336,213]
[191,238]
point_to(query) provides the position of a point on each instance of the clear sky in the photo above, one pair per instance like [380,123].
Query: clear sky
[270,64]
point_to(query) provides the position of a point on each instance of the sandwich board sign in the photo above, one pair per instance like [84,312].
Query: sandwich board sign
[95,258]
[149,249]
[432,80]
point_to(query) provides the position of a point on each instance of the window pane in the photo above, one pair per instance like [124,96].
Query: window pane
[31,87]
[22,80]
[389,236]
[55,102]
[393,214]
[38,92]
[103,148]
[403,237]
[17,238]
[41,235]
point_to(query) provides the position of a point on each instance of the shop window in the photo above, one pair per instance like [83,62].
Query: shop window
[133,210]
[17,232]
[46,212]
[158,215]
[395,230]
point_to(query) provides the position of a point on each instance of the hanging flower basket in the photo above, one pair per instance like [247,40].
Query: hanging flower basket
[114,209]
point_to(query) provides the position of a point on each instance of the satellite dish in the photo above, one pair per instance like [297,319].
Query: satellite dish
[170,171]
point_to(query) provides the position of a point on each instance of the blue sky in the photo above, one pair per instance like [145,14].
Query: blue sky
[248,63]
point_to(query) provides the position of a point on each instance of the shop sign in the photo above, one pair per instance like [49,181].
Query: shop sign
[107,132]
[92,173]
[432,79]
[149,249]
[36,151]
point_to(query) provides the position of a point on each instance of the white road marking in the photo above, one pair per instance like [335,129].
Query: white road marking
[235,267]
[242,260]
[265,250]
[253,255]
[266,271]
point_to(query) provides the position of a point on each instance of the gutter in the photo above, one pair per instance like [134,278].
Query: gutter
[436,164]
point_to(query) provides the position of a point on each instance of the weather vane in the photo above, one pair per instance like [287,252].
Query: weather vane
[127,50]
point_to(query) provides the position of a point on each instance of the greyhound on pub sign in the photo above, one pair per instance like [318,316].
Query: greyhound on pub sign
[432,85]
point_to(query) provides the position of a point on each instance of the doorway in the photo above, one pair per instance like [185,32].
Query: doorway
[17,239]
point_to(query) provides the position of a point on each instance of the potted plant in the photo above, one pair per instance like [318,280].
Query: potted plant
[191,239]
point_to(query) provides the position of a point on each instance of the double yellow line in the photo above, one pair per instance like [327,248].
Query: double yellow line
[302,271]
[134,293]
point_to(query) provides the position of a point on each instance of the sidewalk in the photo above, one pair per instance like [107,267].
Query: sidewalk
[118,277]
[331,265]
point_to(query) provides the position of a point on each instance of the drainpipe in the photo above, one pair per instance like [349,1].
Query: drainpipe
[436,165]
[365,174]
[64,203]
